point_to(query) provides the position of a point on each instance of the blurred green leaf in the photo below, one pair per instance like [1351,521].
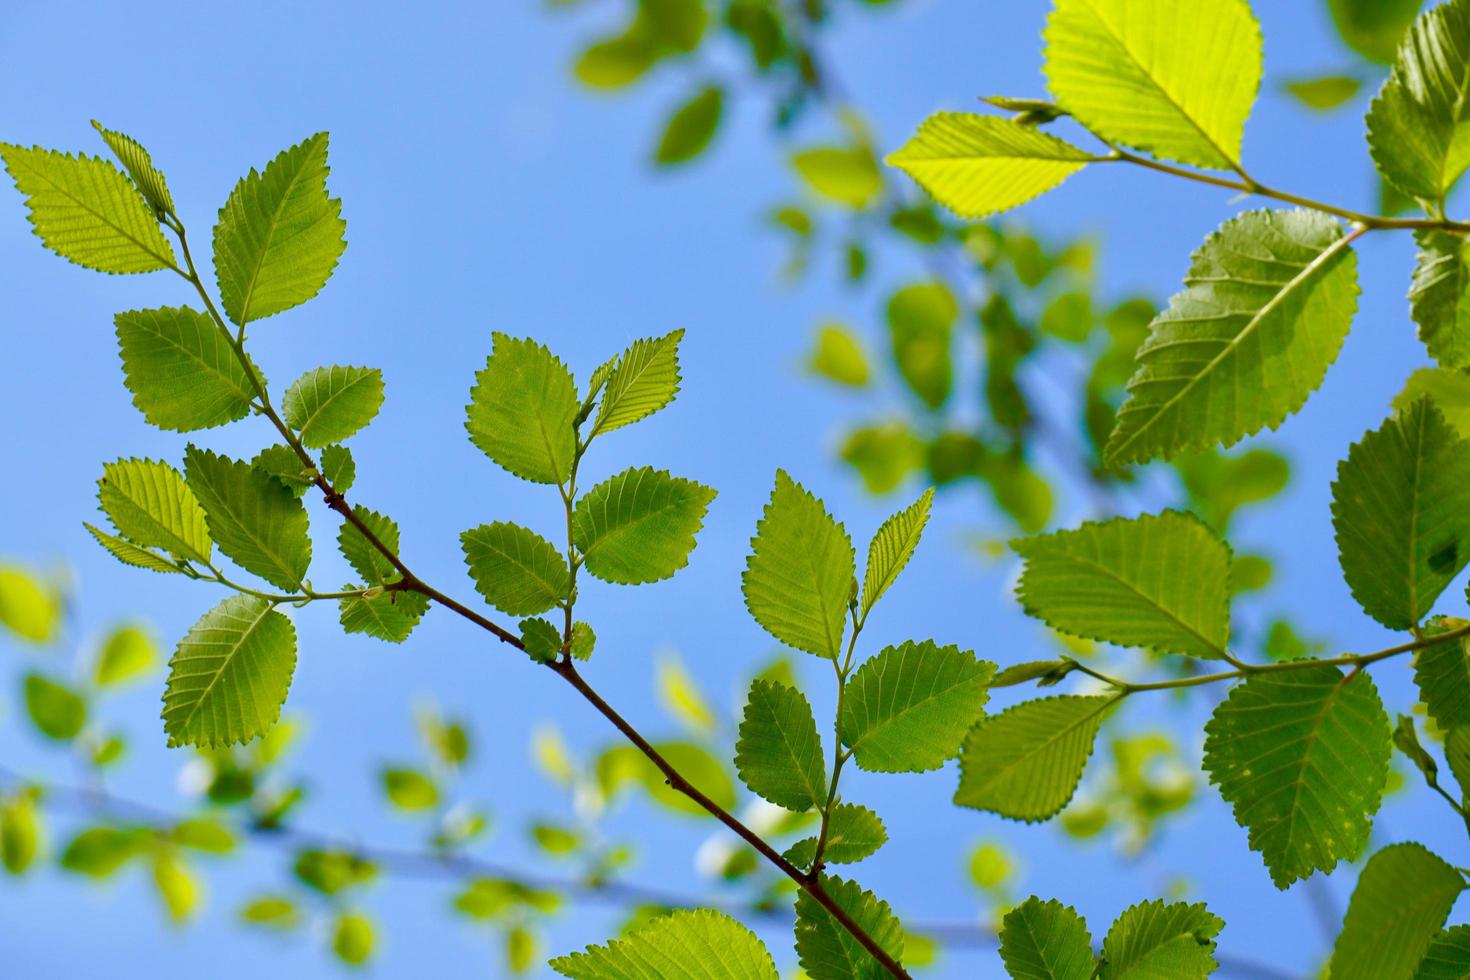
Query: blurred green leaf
[409,789]
[844,175]
[127,653]
[921,318]
[691,127]
[1324,92]
[29,607]
[838,356]
[56,710]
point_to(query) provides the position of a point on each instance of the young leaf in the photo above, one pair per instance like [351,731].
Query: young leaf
[151,506]
[799,576]
[1159,581]
[230,675]
[279,235]
[853,833]
[779,754]
[1025,762]
[689,944]
[892,547]
[130,554]
[691,128]
[1417,125]
[329,404]
[908,709]
[921,319]
[644,380]
[977,165]
[391,616]
[255,520]
[1401,901]
[1439,297]
[639,526]
[827,951]
[139,165]
[1152,939]
[517,571]
[1146,75]
[182,371]
[56,710]
[522,410]
[1401,510]
[1267,303]
[541,639]
[1046,941]
[1302,756]
[85,210]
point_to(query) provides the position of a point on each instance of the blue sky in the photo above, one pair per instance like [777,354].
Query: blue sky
[483,191]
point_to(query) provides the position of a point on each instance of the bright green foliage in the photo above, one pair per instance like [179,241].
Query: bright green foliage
[853,833]
[695,944]
[839,356]
[827,951]
[639,526]
[1401,901]
[85,210]
[175,884]
[1151,941]
[1401,510]
[1442,672]
[584,639]
[644,379]
[99,851]
[799,577]
[1177,82]
[409,789]
[517,571]
[333,872]
[147,178]
[921,320]
[522,409]
[1025,762]
[329,404]
[908,709]
[1159,581]
[230,675]
[20,833]
[681,696]
[182,371]
[354,938]
[541,639]
[1045,941]
[1439,297]
[1302,755]
[779,754]
[1267,303]
[255,520]
[1419,124]
[891,548]
[151,506]
[692,126]
[390,616]
[279,235]
[977,165]
[362,554]
[339,468]
[129,553]
[1449,390]
[29,607]
[127,654]
[282,463]
[203,834]
[1448,957]
[847,176]
[56,710]
[624,764]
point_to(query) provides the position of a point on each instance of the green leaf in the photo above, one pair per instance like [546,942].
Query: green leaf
[1374,28]
[128,653]
[1401,901]
[779,754]
[1174,86]
[615,62]
[273,911]
[1448,957]
[330,404]
[279,235]
[1442,672]
[176,885]
[332,872]
[1025,762]
[1324,93]
[30,608]
[147,178]
[1045,941]
[151,506]
[99,851]
[182,371]
[56,710]
[517,571]
[921,320]
[644,379]
[584,639]
[639,526]
[799,577]
[85,210]
[689,944]
[844,175]
[339,468]
[691,128]
[282,463]
[680,696]
[1419,123]
[20,834]
[230,675]
[409,789]
[624,765]
[363,555]
[130,554]
[1267,303]
[541,639]
[204,834]
[1302,755]
[255,520]
[354,938]
[1159,581]
[1457,754]
[977,165]
[391,616]
[522,410]
[1401,512]
[891,548]
[1449,390]
[853,833]
[1153,940]
[908,709]
[838,356]
[1438,296]
[827,951]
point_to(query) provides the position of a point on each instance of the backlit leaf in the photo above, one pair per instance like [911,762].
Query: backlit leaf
[329,404]
[639,526]
[516,570]
[1402,898]
[522,409]
[691,944]
[151,506]
[255,520]
[1045,941]
[182,371]
[779,754]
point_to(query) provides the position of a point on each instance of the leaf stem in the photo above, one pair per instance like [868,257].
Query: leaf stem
[839,757]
